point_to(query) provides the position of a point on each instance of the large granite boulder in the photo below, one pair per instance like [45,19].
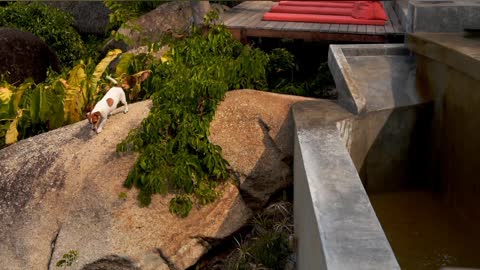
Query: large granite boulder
[91,17]
[170,17]
[23,55]
[255,131]
[62,191]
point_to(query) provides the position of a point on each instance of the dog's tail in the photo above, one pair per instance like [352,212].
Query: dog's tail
[112,79]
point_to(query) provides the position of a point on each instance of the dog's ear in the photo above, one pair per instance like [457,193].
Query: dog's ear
[98,115]
[89,117]
[144,75]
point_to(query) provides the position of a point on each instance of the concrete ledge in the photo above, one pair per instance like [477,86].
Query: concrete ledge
[334,220]
[352,99]
[442,15]
[374,77]
[452,49]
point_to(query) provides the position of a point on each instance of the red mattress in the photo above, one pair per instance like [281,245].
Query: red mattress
[338,12]
[290,17]
[312,10]
[317,4]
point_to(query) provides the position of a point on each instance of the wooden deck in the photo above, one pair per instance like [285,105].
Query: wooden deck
[245,20]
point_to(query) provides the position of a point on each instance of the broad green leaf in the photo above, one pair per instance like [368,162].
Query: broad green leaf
[102,66]
[34,106]
[75,94]
[76,76]
[5,95]
[12,133]
[123,64]
[19,93]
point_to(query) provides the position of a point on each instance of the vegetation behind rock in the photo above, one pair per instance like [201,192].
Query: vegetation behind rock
[50,24]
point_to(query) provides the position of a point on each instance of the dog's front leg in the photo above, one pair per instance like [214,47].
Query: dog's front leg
[102,123]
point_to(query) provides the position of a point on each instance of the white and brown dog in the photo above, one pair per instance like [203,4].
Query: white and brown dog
[98,116]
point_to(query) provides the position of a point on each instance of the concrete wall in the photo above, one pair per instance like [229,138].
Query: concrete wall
[390,147]
[448,65]
[310,254]
[335,224]
[456,154]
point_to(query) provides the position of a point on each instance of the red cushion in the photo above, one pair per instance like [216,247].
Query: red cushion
[317,3]
[289,17]
[312,10]
[368,10]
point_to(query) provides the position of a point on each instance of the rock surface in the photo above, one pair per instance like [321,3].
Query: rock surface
[60,192]
[171,17]
[91,17]
[23,55]
[255,131]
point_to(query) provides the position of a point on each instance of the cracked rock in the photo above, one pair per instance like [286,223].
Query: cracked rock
[255,131]
[107,231]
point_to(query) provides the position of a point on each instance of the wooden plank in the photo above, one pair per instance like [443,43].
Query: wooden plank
[279,25]
[325,27]
[334,28]
[362,29]
[290,26]
[231,16]
[309,26]
[254,20]
[314,36]
[371,29]
[317,27]
[379,29]
[298,26]
[352,28]
[343,28]
[239,14]
[247,15]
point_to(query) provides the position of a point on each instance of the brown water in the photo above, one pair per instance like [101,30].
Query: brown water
[426,234]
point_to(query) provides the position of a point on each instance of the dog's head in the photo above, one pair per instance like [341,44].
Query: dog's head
[94,119]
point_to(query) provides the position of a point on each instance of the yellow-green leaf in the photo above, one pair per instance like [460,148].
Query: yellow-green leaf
[102,66]
[76,76]
[123,64]
[12,133]
[5,95]
[19,93]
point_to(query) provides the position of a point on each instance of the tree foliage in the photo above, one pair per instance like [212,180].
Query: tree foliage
[30,109]
[49,24]
[175,153]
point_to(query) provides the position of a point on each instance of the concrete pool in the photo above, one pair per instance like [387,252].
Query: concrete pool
[386,177]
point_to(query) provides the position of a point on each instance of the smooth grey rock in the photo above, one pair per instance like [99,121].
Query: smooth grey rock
[254,130]
[171,17]
[60,192]
[23,55]
[91,17]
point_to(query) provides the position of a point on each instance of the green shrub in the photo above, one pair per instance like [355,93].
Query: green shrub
[48,23]
[180,206]
[175,153]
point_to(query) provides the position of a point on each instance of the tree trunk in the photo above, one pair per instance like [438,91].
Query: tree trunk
[199,10]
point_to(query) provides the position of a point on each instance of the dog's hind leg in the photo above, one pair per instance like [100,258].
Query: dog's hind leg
[124,102]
